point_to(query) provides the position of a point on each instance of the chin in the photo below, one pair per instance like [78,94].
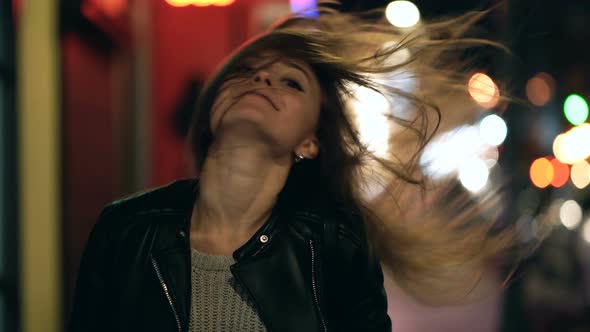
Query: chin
[244,126]
[246,116]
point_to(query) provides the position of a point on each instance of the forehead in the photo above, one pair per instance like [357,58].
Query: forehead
[269,57]
[266,58]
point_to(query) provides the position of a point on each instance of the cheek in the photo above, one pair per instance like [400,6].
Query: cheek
[301,120]
[220,105]
[309,115]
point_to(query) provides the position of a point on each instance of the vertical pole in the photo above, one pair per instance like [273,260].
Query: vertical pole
[39,167]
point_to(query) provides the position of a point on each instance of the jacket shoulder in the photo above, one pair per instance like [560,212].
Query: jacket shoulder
[174,197]
[335,219]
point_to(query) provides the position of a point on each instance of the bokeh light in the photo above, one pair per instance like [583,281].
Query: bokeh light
[304,6]
[402,14]
[573,145]
[483,90]
[580,174]
[541,172]
[370,108]
[540,89]
[490,156]
[474,174]
[575,109]
[179,3]
[570,214]
[493,130]
[447,152]
[97,9]
[561,173]
[199,3]
[586,231]
[402,79]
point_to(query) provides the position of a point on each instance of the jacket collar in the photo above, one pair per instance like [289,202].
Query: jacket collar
[258,269]
[256,244]
[261,239]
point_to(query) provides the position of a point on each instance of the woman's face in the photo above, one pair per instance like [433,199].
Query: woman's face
[270,99]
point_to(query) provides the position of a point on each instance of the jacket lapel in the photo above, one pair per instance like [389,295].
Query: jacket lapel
[171,254]
[276,275]
[277,282]
[174,270]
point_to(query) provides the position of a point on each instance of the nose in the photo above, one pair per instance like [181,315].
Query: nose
[264,77]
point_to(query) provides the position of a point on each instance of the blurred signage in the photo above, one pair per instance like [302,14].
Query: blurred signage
[111,17]
[199,3]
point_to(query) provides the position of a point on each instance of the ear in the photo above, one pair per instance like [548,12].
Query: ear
[309,148]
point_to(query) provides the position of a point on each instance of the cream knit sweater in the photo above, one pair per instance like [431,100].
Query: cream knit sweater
[218,302]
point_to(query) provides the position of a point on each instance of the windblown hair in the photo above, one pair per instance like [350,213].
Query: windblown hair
[432,246]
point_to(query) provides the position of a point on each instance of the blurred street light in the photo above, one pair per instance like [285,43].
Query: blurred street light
[575,109]
[199,3]
[570,214]
[580,174]
[402,14]
[541,172]
[540,89]
[474,174]
[573,145]
[483,90]
[493,130]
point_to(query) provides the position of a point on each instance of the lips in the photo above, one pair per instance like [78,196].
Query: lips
[263,95]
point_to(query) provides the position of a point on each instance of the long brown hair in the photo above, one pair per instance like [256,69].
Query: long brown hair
[422,248]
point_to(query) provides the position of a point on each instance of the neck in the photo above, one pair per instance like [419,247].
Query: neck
[239,186]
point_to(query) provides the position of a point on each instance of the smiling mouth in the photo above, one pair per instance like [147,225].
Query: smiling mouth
[263,96]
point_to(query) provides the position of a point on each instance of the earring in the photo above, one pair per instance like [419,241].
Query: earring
[299,157]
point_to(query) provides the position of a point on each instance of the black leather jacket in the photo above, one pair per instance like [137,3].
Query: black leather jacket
[310,272]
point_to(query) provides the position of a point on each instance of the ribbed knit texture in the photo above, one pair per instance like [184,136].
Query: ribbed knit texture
[218,302]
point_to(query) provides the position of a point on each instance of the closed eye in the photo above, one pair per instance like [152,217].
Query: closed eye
[293,84]
[244,69]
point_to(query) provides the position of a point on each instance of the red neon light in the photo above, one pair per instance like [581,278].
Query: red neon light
[199,3]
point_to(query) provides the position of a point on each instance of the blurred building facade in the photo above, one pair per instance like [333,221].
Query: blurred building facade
[116,78]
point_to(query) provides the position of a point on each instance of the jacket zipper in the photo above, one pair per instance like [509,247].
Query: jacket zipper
[167,294]
[315,287]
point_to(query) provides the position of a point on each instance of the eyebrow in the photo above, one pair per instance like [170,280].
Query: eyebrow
[298,67]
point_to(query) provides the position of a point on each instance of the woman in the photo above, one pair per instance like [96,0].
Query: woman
[275,234]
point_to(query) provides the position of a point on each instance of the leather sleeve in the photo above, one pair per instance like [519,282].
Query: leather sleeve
[90,310]
[356,286]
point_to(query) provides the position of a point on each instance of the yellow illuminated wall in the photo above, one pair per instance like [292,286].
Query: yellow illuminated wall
[39,160]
